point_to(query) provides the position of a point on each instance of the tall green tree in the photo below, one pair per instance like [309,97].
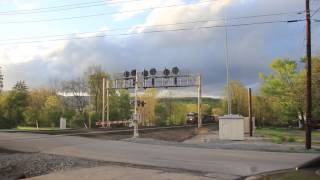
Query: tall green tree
[285,86]
[34,114]
[95,75]
[239,99]
[15,103]
[1,80]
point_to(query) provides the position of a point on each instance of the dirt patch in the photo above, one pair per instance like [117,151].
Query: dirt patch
[177,135]
[26,165]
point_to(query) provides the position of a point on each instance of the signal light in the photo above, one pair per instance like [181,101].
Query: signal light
[166,72]
[134,72]
[175,70]
[145,73]
[126,74]
[153,71]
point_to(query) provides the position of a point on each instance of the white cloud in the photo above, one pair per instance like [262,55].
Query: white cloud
[137,7]
[26,4]
[251,48]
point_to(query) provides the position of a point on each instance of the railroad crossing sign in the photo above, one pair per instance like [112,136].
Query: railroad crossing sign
[174,78]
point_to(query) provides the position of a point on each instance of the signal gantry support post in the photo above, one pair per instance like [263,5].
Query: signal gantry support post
[135,116]
[250,112]
[103,99]
[108,105]
[199,101]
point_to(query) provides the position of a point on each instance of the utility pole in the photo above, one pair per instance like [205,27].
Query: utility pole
[250,112]
[103,103]
[309,80]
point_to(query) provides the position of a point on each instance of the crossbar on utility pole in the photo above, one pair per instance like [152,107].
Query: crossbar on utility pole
[309,80]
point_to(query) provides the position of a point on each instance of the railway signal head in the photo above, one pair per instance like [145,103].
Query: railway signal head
[142,104]
[153,71]
[175,70]
[134,72]
[166,72]
[126,74]
[145,73]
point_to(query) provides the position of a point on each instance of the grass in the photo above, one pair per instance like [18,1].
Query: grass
[34,128]
[282,135]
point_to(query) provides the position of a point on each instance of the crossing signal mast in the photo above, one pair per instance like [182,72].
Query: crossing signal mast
[174,78]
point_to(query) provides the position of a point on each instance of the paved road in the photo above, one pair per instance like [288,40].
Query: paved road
[216,163]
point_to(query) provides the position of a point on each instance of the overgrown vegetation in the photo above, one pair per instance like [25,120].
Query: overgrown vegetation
[280,101]
[285,135]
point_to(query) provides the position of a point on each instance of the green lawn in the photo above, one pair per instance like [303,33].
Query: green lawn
[281,135]
[34,128]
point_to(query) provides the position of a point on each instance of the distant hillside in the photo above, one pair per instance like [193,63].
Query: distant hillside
[193,100]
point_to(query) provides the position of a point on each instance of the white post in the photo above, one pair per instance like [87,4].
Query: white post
[228,69]
[135,116]
[103,104]
[199,101]
[108,110]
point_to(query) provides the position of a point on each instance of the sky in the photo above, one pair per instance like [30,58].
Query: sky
[43,41]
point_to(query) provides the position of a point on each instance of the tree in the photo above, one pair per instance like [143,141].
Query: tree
[285,86]
[53,110]
[148,111]
[77,96]
[95,75]
[15,103]
[1,80]
[162,112]
[35,111]
[239,96]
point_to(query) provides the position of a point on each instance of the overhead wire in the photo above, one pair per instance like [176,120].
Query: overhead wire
[65,7]
[159,25]
[156,31]
[121,12]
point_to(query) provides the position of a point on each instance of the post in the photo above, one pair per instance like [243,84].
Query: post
[103,103]
[89,108]
[250,112]
[308,69]
[199,101]
[229,101]
[135,116]
[108,109]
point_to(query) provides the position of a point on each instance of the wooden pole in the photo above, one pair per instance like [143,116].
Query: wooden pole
[308,87]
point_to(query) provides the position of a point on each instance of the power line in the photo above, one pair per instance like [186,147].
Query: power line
[155,31]
[107,13]
[315,12]
[65,7]
[159,25]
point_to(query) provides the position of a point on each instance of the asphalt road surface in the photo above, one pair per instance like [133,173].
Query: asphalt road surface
[227,164]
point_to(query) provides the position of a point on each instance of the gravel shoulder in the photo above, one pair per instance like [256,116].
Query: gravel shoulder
[17,165]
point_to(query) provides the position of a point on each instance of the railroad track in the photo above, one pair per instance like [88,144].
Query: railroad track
[80,132]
